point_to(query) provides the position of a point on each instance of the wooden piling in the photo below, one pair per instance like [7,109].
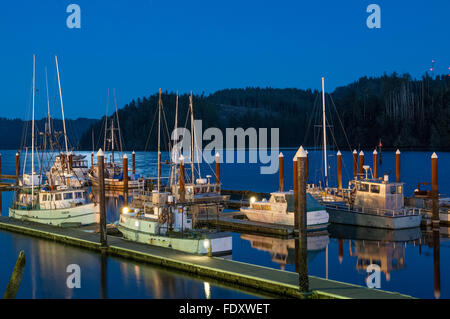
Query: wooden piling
[181,180]
[301,216]
[133,163]
[436,263]
[339,170]
[355,164]
[434,189]
[17,167]
[375,164]
[295,165]
[125,177]
[16,277]
[101,191]
[281,172]
[92,159]
[361,164]
[397,166]
[217,169]
[0,169]
[70,161]
[341,250]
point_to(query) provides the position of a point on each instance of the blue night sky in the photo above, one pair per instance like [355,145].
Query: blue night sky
[140,46]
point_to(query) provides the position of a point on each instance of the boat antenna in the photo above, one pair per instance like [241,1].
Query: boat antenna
[324,132]
[32,129]
[159,141]
[191,106]
[62,106]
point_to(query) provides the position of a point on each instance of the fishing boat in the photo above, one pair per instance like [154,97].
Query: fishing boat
[375,202]
[114,171]
[170,225]
[69,169]
[161,218]
[59,205]
[279,209]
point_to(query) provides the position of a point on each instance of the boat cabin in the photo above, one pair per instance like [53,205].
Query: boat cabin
[284,202]
[378,193]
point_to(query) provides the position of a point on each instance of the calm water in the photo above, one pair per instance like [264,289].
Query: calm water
[412,262]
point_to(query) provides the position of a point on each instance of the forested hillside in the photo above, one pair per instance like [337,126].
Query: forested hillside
[401,111]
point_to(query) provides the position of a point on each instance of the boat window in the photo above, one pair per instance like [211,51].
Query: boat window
[57,196]
[44,198]
[79,195]
[375,189]
[279,199]
[68,195]
[363,187]
[399,189]
[393,189]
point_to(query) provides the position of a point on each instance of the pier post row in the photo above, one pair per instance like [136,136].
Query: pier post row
[361,163]
[339,169]
[375,164]
[281,172]
[101,191]
[300,216]
[397,166]
[355,164]
[133,163]
[434,189]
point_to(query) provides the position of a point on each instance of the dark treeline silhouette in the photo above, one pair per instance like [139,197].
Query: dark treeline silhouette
[401,111]
[16,133]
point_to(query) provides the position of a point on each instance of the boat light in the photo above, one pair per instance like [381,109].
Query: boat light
[125,210]
[252,199]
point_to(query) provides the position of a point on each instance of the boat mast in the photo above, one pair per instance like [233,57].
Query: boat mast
[106,121]
[32,130]
[175,151]
[48,103]
[62,106]
[324,132]
[192,137]
[159,141]
[112,138]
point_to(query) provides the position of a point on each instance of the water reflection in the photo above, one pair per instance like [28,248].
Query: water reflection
[282,251]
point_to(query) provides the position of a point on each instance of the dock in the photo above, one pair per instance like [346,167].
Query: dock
[236,221]
[282,284]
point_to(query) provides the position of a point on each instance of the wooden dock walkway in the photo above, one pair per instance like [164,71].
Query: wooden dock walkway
[275,282]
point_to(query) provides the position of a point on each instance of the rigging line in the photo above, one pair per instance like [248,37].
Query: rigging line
[151,129]
[340,122]
[118,123]
[106,122]
[305,139]
[343,164]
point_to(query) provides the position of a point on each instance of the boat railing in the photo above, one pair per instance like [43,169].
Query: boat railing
[410,211]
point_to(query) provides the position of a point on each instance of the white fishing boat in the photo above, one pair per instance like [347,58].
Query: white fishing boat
[50,204]
[375,203]
[165,220]
[61,207]
[279,209]
[170,225]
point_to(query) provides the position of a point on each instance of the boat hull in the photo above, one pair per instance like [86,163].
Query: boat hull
[350,217]
[317,219]
[74,216]
[134,229]
[114,184]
